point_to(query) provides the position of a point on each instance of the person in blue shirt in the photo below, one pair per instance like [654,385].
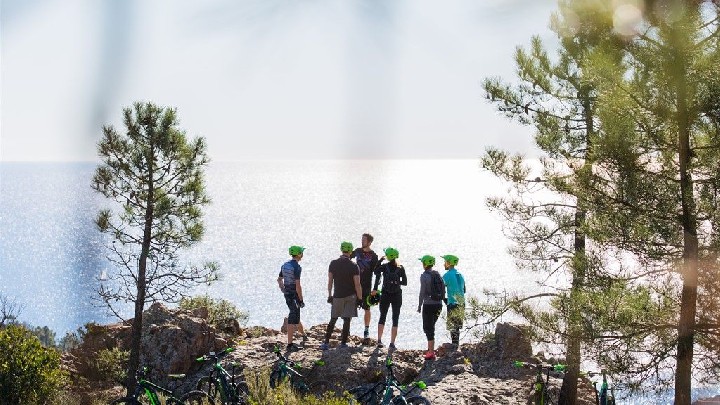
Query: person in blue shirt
[289,283]
[455,284]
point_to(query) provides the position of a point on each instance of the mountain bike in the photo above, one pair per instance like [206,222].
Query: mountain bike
[151,393]
[225,388]
[539,394]
[383,392]
[286,370]
[606,394]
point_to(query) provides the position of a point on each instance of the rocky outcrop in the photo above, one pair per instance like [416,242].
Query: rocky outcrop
[475,373]
[708,401]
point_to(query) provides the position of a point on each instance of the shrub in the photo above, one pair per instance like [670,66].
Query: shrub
[29,373]
[261,394]
[219,309]
[111,364]
[70,341]
[43,333]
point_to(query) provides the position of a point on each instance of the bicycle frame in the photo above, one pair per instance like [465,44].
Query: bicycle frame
[389,383]
[225,381]
[286,370]
[540,385]
[150,390]
[605,395]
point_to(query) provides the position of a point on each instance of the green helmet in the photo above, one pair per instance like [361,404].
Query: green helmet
[346,247]
[371,300]
[391,253]
[453,260]
[295,250]
[427,260]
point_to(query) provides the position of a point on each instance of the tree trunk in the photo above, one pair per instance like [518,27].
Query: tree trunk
[688,300]
[568,391]
[136,340]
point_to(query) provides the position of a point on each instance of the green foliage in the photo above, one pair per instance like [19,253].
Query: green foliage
[29,372]
[218,309]
[70,341]
[154,175]
[44,334]
[111,364]
[261,393]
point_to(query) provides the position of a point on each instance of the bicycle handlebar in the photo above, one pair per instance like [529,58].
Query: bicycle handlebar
[215,356]
[552,367]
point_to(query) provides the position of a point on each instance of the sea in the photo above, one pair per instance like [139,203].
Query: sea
[53,258]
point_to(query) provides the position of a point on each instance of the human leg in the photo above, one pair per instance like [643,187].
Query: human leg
[396,303]
[293,316]
[384,306]
[345,331]
[330,328]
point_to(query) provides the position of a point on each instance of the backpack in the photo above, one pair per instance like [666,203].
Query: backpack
[437,286]
[391,280]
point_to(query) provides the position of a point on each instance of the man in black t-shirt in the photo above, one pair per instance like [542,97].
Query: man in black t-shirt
[367,261]
[344,276]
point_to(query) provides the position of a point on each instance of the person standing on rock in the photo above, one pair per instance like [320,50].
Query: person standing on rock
[367,262]
[289,283]
[455,283]
[393,276]
[344,276]
[432,293]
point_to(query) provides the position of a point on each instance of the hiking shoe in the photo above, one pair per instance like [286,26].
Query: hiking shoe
[429,355]
[324,346]
[380,344]
[391,346]
[366,334]
[292,347]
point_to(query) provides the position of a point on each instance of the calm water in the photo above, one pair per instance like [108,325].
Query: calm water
[51,253]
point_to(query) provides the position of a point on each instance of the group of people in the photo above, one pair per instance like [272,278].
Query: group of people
[350,287]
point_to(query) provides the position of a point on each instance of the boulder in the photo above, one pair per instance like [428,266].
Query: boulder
[512,341]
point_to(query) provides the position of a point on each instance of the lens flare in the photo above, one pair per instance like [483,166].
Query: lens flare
[627,18]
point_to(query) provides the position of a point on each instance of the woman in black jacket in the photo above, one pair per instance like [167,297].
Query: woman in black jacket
[393,276]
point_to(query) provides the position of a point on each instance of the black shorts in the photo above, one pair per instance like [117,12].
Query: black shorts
[365,293]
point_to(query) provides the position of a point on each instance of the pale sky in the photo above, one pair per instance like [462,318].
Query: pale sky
[331,79]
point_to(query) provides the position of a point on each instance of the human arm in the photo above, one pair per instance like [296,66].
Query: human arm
[329,286]
[403,276]
[422,292]
[280,282]
[358,289]
[298,288]
[378,274]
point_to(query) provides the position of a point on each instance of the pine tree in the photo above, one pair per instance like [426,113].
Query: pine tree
[155,175]
[655,192]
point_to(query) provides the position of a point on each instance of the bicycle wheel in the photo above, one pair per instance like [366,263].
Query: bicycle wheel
[209,386]
[364,396]
[275,379]
[242,392]
[196,398]
[125,400]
